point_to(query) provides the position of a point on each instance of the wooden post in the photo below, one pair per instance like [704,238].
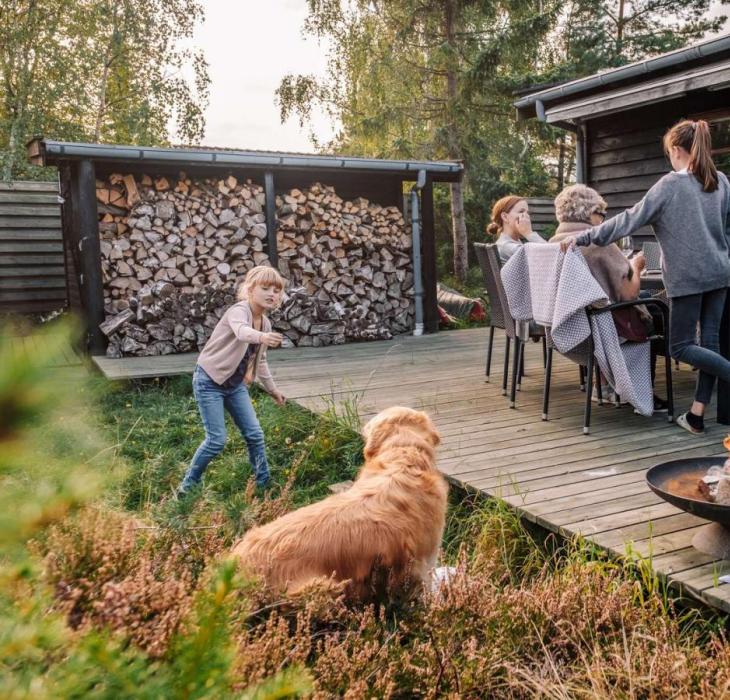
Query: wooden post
[86,224]
[70,241]
[272,246]
[428,260]
[723,388]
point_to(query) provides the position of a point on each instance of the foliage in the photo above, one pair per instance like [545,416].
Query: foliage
[401,85]
[140,601]
[596,34]
[413,79]
[97,70]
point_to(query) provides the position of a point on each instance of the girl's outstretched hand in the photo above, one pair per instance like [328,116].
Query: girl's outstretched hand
[271,340]
[279,398]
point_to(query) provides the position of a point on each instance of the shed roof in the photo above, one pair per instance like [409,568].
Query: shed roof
[585,95]
[49,152]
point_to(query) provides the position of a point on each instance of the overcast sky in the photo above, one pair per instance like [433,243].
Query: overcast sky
[250,46]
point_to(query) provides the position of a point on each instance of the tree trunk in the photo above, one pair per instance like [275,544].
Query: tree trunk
[620,28]
[458,220]
[101,109]
[13,146]
[458,226]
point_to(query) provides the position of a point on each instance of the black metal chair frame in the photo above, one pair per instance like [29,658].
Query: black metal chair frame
[592,366]
[500,317]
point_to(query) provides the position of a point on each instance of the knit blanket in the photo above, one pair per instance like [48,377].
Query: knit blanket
[554,289]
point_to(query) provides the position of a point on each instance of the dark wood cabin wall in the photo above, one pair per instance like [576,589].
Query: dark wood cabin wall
[32,265]
[625,150]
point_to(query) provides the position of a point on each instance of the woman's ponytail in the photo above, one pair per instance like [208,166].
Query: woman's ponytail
[494,229]
[694,137]
[700,157]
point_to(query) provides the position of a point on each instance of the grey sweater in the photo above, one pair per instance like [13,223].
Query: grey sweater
[228,344]
[691,226]
[508,246]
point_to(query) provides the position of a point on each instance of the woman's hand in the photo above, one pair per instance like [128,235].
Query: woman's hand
[279,398]
[523,224]
[638,262]
[567,243]
[271,340]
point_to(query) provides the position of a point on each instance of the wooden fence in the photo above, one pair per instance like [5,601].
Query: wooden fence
[542,214]
[32,270]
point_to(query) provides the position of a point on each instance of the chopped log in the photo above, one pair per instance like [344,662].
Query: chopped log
[176,252]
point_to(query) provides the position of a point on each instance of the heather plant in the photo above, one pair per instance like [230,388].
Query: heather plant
[125,591]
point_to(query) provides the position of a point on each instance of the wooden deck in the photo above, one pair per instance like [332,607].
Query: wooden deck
[553,474]
[34,343]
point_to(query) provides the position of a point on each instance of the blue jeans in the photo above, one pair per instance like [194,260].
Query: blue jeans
[212,398]
[686,312]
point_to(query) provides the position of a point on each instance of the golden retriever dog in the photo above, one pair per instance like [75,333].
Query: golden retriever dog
[389,523]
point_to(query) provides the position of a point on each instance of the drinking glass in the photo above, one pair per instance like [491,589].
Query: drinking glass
[626,244]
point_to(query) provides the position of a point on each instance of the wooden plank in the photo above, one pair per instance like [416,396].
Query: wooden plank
[627,154]
[648,166]
[18,197]
[32,271]
[627,184]
[40,283]
[20,306]
[34,210]
[28,186]
[50,234]
[30,221]
[32,295]
[11,247]
[30,259]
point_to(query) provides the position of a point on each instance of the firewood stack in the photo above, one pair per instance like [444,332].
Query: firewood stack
[173,253]
[352,256]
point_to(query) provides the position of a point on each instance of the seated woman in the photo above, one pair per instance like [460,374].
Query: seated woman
[578,207]
[512,226]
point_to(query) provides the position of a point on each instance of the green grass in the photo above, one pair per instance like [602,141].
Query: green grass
[157,428]
[130,568]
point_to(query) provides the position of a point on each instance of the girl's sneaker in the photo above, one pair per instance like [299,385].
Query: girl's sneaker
[691,423]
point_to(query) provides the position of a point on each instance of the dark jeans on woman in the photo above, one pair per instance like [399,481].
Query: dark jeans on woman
[212,399]
[685,313]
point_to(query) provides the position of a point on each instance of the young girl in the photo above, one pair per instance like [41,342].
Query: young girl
[688,209]
[511,223]
[233,357]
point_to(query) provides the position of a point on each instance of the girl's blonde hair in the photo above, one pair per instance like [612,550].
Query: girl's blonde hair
[502,206]
[695,138]
[260,276]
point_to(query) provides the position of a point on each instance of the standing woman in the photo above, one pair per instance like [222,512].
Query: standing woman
[688,209]
[512,226]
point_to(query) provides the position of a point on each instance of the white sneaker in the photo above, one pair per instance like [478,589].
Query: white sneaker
[607,393]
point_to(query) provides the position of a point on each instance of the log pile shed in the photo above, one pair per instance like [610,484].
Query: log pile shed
[156,240]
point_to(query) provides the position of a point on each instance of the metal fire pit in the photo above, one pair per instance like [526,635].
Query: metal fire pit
[675,482]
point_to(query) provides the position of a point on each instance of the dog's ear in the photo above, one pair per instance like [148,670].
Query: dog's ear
[428,427]
[374,438]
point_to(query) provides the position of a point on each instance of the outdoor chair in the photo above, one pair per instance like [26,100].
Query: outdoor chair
[500,317]
[591,366]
